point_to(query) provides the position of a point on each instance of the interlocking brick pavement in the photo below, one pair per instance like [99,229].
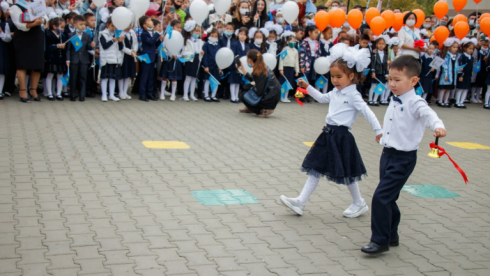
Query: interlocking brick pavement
[81,195]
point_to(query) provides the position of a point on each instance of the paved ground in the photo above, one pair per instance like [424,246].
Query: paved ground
[81,195]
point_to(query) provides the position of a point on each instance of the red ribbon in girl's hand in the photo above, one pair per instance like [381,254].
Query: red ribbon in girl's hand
[300,90]
[442,152]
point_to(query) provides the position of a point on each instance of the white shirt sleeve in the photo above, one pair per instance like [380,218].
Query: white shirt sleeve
[319,97]
[402,35]
[423,111]
[5,35]
[15,14]
[361,105]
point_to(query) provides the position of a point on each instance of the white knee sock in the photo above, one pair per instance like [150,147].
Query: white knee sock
[126,86]
[206,88]
[120,84]
[375,98]
[103,88]
[447,95]
[440,97]
[453,92]
[458,96]
[464,94]
[355,193]
[45,90]
[193,88]
[232,91]
[478,93]
[162,89]
[371,91]
[308,189]
[59,84]
[112,88]
[473,93]
[2,82]
[487,96]
[213,95]
[48,84]
[174,88]
[187,83]
[386,94]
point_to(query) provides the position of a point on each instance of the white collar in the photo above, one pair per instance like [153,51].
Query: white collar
[451,55]
[311,40]
[259,46]
[324,41]
[467,55]
[347,89]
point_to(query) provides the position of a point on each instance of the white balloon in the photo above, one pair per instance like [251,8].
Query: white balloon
[174,45]
[222,6]
[290,11]
[121,18]
[243,60]
[270,60]
[99,3]
[224,58]
[139,7]
[321,65]
[199,11]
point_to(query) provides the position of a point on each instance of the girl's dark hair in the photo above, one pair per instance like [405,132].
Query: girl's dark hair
[259,64]
[264,17]
[54,22]
[175,22]
[109,22]
[468,45]
[237,14]
[213,31]
[309,29]
[386,47]
[408,15]
[262,46]
[243,29]
[342,65]
[142,20]
[284,42]
[2,15]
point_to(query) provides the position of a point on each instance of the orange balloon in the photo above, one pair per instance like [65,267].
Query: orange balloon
[485,26]
[370,14]
[441,33]
[459,18]
[459,4]
[420,18]
[336,18]
[321,20]
[398,23]
[432,38]
[355,18]
[485,15]
[461,29]
[389,17]
[378,25]
[440,9]
[477,1]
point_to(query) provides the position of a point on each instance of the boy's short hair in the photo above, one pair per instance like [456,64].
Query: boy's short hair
[298,28]
[156,22]
[230,24]
[78,18]
[88,15]
[407,64]
[341,32]
[365,37]
[175,22]
[435,43]
[70,16]
[142,20]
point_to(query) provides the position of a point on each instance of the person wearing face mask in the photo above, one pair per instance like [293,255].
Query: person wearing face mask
[428,25]
[243,17]
[408,35]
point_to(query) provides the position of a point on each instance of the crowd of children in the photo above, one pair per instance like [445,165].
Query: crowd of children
[112,58]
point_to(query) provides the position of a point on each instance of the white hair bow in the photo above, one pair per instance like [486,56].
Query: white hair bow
[270,26]
[450,41]
[359,58]
[190,26]
[251,32]
[394,41]
[288,34]
[265,32]
[386,38]
[467,40]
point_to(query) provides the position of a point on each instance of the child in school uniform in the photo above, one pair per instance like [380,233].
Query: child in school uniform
[128,68]
[310,50]
[379,68]
[427,73]
[111,59]
[93,70]
[78,61]
[334,154]
[258,38]
[403,128]
[289,66]
[69,28]
[325,46]
[226,40]
[5,38]
[171,68]
[483,56]
[448,74]
[193,50]
[240,49]
[55,58]
[275,30]
[464,80]
[149,45]
[210,49]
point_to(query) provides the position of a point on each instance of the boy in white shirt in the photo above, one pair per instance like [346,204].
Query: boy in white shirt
[403,129]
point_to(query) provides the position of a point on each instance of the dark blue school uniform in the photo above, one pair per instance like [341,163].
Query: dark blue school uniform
[56,58]
[223,41]
[128,69]
[171,69]
[467,72]
[149,45]
[209,60]
[110,71]
[192,68]
[235,76]
[426,76]
[4,54]
[68,30]
[482,75]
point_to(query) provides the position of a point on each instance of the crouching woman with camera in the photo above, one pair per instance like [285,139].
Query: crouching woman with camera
[264,92]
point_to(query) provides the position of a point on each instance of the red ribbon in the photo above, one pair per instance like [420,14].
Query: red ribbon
[442,152]
[302,90]
[419,44]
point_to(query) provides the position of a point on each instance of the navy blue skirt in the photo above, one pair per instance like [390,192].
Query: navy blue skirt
[191,68]
[426,85]
[311,75]
[111,71]
[335,156]
[214,72]
[128,69]
[171,69]
[289,74]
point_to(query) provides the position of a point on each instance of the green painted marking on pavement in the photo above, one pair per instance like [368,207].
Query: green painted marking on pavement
[429,191]
[224,197]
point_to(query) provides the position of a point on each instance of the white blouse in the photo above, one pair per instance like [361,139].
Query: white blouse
[407,39]
[16,12]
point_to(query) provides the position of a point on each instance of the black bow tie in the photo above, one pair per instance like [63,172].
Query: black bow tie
[396,99]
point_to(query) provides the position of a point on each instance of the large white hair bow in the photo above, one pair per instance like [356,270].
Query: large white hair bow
[386,38]
[394,41]
[265,32]
[251,32]
[361,59]
[336,52]
[288,34]
[451,40]
[270,26]
[467,40]
[190,25]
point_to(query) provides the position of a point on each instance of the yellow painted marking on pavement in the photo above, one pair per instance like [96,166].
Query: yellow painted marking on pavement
[165,145]
[467,145]
[309,144]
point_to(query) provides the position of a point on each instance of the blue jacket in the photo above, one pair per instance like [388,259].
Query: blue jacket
[223,41]
[149,44]
[55,55]
[447,70]
[209,59]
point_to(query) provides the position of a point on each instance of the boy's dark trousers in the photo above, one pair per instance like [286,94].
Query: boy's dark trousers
[146,81]
[394,170]
[92,74]
[78,74]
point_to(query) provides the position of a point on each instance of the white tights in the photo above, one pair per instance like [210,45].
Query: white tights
[112,88]
[444,96]
[2,82]
[123,87]
[373,97]
[385,95]
[189,81]
[312,183]
[206,90]
[475,93]
[49,81]
[487,96]
[461,95]
[234,88]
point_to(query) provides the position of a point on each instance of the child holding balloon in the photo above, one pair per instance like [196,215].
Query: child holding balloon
[192,50]
[240,49]
[210,49]
[171,69]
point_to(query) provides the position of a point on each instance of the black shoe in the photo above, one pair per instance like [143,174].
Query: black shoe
[65,95]
[370,103]
[394,242]
[152,98]
[308,100]
[82,99]
[143,99]
[73,99]
[375,104]
[486,106]
[90,95]
[59,98]
[463,106]
[215,100]
[373,248]
[449,105]
[51,98]
[453,101]
[207,99]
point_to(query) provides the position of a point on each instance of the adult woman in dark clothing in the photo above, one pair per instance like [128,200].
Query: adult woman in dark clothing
[260,76]
[28,41]
[243,16]
[259,14]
